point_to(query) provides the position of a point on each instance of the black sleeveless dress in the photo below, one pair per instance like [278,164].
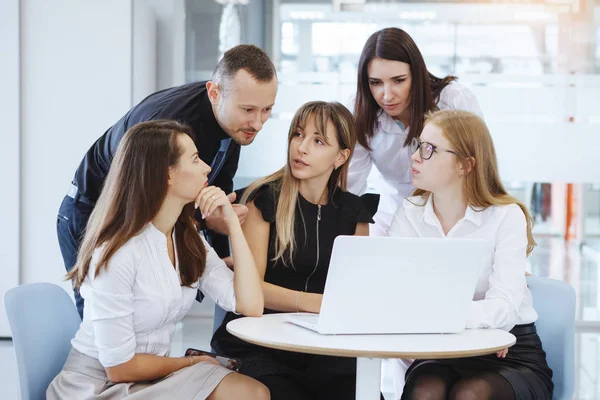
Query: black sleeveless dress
[314,240]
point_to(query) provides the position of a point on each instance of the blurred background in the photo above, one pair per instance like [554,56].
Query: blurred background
[70,68]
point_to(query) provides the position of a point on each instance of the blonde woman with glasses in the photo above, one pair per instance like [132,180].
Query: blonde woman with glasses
[459,195]
[293,219]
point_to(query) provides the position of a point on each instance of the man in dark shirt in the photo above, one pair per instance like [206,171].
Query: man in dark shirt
[225,114]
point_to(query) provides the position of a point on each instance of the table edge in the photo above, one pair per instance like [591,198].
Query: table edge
[373,354]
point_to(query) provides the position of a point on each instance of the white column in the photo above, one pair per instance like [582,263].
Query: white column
[305,53]
[368,378]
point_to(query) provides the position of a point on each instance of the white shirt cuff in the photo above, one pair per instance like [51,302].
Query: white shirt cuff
[117,356]
[476,315]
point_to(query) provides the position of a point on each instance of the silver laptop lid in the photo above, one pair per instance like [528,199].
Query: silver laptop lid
[401,285]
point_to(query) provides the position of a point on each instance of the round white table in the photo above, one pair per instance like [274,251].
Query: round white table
[276,332]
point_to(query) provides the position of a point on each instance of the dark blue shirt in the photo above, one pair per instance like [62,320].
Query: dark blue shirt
[188,104]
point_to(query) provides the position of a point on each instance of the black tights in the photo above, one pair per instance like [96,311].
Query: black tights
[441,382]
[284,387]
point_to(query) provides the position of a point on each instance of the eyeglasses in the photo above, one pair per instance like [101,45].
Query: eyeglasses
[426,149]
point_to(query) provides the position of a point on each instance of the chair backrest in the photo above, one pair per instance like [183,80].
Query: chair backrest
[43,320]
[554,302]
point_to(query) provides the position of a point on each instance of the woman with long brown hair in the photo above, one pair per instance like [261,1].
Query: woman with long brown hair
[459,194]
[394,92]
[139,268]
[294,216]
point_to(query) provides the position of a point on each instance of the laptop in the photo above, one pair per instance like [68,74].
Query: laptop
[391,285]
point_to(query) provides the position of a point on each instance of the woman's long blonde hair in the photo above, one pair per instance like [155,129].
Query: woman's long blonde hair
[471,139]
[287,185]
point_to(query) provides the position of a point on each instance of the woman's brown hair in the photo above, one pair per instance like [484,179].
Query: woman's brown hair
[135,188]
[396,45]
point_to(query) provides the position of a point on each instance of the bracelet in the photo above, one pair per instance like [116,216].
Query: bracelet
[298,301]
[191,358]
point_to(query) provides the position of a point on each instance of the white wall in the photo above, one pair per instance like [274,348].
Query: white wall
[170,41]
[82,65]
[9,143]
[76,67]
[144,50]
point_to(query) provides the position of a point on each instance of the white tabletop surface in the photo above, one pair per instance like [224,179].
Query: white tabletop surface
[275,332]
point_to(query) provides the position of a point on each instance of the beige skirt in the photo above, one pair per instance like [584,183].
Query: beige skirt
[84,378]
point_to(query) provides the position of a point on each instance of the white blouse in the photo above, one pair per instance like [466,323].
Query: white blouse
[502,298]
[393,159]
[134,305]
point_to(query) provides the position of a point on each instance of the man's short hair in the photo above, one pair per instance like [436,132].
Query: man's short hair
[248,57]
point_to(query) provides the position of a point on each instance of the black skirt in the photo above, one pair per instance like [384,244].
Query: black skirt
[258,361]
[524,367]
